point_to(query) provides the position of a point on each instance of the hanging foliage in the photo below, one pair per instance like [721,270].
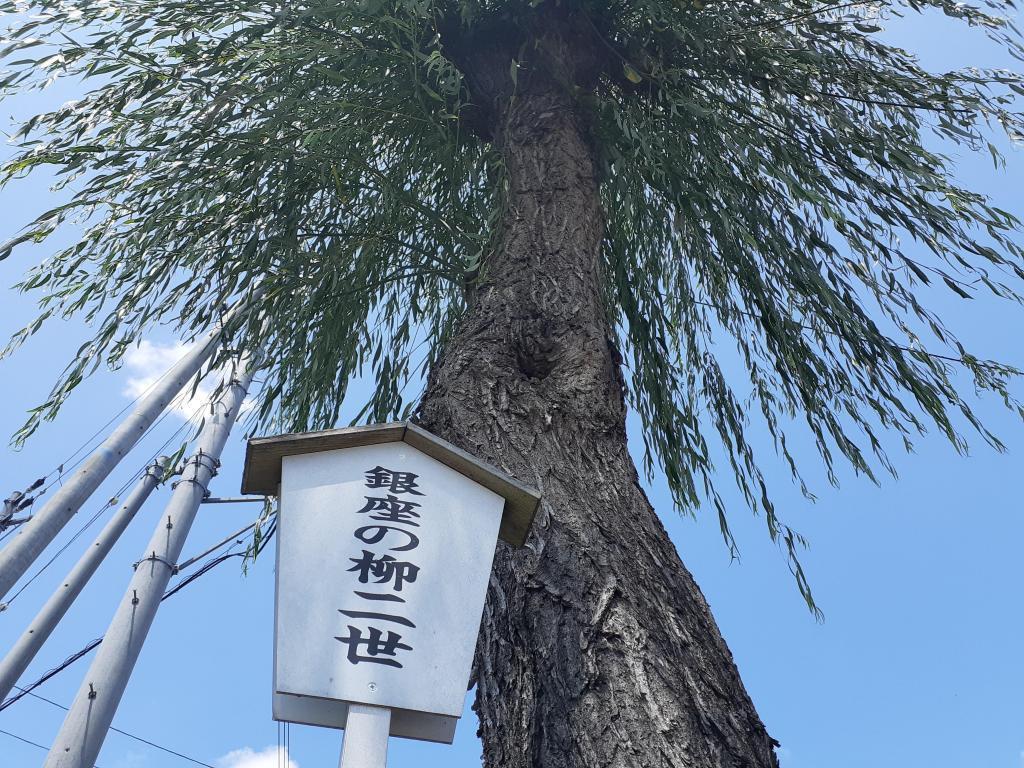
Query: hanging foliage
[771,170]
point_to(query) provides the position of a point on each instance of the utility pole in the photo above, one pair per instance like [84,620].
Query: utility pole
[35,534]
[87,722]
[28,645]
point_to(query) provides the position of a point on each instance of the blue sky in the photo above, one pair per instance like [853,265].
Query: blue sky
[918,662]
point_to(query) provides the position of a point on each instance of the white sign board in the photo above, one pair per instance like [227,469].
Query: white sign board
[383,559]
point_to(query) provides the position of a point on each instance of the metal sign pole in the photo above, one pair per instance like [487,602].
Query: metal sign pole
[22,653]
[365,742]
[87,722]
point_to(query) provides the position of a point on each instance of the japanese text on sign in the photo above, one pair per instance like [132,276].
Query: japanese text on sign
[377,609]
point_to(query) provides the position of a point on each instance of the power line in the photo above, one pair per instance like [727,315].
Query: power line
[232,538]
[206,568]
[112,501]
[32,743]
[124,733]
[52,673]
[20,500]
[284,744]
[62,468]
[211,564]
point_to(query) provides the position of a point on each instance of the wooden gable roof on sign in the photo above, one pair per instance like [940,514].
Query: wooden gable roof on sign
[262,474]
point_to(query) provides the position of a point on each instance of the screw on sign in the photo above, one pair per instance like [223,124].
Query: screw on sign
[386,535]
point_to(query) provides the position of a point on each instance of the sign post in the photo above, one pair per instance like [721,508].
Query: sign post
[386,536]
[366,737]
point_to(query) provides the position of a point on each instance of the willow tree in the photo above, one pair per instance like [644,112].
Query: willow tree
[546,214]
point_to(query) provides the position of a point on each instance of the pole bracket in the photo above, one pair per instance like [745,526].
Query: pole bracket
[155,558]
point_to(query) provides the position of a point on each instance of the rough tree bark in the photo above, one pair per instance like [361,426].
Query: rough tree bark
[597,648]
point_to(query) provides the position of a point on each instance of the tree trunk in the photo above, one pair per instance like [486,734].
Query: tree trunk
[596,648]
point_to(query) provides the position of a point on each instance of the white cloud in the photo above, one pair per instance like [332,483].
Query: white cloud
[247,758]
[148,362]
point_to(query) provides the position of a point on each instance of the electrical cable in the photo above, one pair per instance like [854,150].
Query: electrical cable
[126,733]
[167,411]
[89,523]
[62,468]
[32,743]
[284,744]
[51,673]
[211,564]
[113,499]
[232,538]
[206,568]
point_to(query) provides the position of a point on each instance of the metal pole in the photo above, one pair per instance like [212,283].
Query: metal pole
[365,743]
[34,536]
[21,655]
[214,548]
[236,500]
[89,718]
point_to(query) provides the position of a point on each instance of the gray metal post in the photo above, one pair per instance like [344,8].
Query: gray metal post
[23,651]
[365,743]
[89,718]
[34,536]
